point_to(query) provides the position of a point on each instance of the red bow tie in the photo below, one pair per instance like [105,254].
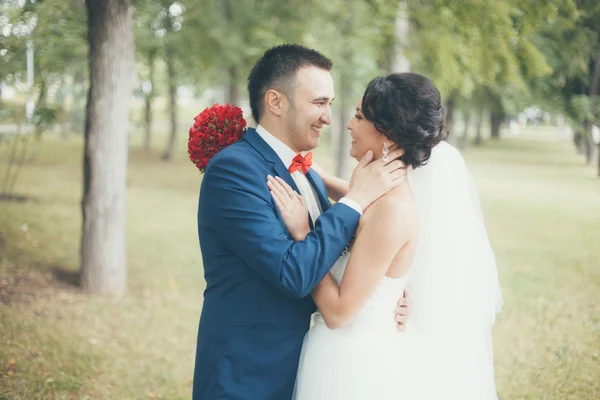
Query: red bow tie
[302,163]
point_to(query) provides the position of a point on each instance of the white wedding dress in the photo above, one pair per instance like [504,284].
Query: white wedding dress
[446,351]
[364,359]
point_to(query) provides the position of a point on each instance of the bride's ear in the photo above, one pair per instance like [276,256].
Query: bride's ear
[391,145]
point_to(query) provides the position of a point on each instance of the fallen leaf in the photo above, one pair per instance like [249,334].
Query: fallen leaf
[12,362]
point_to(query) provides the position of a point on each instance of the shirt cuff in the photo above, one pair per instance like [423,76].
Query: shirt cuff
[352,204]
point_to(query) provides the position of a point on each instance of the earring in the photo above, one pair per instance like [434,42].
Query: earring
[385,152]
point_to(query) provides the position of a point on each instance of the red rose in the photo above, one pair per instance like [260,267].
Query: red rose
[214,129]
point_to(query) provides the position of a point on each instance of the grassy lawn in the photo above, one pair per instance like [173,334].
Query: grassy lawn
[543,215]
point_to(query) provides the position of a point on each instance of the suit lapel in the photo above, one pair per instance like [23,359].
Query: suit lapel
[270,156]
[319,186]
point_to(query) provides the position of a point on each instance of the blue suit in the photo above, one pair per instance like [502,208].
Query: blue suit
[257,302]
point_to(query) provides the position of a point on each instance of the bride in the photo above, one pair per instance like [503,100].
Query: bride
[428,233]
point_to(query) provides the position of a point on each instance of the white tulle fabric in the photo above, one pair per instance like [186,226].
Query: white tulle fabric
[446,352]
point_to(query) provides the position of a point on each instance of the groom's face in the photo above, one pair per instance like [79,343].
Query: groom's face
[310,108]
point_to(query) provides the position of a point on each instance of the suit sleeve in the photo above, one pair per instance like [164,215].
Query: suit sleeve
[237,206]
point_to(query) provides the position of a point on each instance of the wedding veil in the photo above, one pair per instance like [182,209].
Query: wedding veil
[453,279]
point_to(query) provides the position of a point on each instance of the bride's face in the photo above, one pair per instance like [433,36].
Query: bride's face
[364,135]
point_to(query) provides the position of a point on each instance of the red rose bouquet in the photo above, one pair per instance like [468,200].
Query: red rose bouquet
[214,129]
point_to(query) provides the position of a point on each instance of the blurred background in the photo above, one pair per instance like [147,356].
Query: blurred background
[107,306]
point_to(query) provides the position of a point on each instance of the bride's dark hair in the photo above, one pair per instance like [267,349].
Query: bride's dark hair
[407,108]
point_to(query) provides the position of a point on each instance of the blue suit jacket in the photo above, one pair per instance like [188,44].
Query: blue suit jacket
[257,302]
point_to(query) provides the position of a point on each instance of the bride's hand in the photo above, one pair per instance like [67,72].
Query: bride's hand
[291,206]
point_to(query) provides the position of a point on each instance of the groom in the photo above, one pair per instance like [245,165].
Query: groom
[257,303]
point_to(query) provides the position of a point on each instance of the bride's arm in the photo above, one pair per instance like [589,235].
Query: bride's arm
[383,231]
[336,187]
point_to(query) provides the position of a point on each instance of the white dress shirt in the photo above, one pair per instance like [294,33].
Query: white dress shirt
[306,190]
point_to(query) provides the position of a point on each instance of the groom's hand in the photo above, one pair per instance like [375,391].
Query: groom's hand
[403,310]
[372,179]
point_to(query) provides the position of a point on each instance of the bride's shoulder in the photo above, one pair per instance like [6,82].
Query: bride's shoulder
[392,207]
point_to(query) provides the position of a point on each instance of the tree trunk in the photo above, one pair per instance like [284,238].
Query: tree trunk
[110,36]
[450,106]
[387,56]
[465,135]
[60,102]
[41,101]
[479,126]
[168,154]
[598,155]
[400,60]
[344,143]
[148,123]
[43,93]
[590,155]
[593,95]
[233,97]
[589,147]
[148,104]
[496,119]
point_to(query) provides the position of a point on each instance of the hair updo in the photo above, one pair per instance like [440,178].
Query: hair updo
[407,109]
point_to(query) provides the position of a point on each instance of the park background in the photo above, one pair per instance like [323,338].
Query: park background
[107,306]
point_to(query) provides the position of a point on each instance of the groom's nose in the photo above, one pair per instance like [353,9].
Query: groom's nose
[326,116]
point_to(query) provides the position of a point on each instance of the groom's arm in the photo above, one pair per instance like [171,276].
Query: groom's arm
[238,208]
[336,187]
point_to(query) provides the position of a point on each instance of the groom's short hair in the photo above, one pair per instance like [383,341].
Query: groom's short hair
[276,69]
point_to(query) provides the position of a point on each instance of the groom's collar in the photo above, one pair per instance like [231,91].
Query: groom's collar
[286,155]
[254,140]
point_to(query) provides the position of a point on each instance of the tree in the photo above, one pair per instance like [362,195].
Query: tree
[346,83]
[148,52]
[466,45]
[595,117]
[56,31]
[110,36]
[571,43]
[180,38]
[174,55]
[356,27]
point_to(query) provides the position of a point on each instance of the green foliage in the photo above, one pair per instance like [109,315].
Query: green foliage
[57,30]
[570,42]
[345,31]
[581,110]
[44,117]
[506,54]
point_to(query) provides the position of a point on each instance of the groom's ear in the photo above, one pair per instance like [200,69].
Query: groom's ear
[275,102]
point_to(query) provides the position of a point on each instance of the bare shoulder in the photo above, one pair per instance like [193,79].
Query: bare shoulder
[395,209]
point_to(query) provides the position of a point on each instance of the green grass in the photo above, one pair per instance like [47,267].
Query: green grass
[541,208]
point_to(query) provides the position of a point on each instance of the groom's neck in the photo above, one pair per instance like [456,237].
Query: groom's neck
[277,129]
